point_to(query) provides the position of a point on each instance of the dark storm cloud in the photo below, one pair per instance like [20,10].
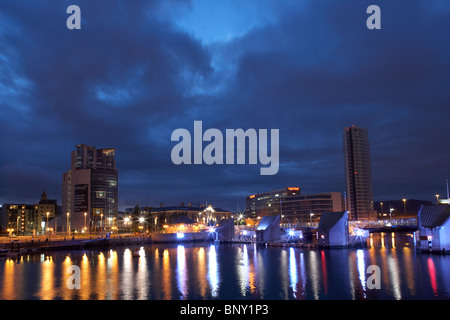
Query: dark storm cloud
[131,76]
[391,82]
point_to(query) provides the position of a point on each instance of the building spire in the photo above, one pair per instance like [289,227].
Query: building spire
[43,195]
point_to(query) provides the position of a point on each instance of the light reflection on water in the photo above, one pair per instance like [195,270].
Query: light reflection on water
[240,271]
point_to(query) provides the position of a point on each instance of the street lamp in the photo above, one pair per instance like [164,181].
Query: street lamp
[68,228]
[125,220]
[404,205]
[46,226]
[141,221]
[101,222]
[437,199]
[381,203]
[310,217]
[85,214]
[17,223]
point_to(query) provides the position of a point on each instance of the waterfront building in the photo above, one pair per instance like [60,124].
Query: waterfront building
[182,224]
[30,219]
[358,174]
[268,203]
[292,206]
[90,188]
[434,228]
[333,229]
[304,209]
[202,214]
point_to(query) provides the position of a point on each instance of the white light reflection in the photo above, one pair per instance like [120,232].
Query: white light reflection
[142,276]
[293,271]
[284,273]
[258,263]
[127,275]
[302,272]
[181,271]
[243,270]
[213,271]
[395,280]
[314,267]
[361,269]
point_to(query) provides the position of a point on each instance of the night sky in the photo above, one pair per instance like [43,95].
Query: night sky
[138,70]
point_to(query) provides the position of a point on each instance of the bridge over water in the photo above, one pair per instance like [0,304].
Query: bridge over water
[387,225]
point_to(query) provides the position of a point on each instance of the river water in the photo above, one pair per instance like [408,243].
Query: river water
[230,271]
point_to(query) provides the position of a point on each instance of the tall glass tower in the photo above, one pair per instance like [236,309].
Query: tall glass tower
[358,174]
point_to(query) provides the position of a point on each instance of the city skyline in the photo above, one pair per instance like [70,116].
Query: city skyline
[135,73]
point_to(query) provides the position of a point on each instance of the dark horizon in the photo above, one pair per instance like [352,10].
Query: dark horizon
[134,73]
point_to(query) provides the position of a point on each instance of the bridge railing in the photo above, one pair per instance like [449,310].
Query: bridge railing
[313,225]
[384,223]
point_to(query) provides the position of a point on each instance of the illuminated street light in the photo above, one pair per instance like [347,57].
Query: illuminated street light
[46,229]
[68,228]
[125,221]
[437,199]
[404,205]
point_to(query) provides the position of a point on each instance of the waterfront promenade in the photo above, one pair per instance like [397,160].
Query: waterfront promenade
[67,242]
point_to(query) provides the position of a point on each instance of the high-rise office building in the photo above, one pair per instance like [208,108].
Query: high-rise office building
[90,188]
[358,174]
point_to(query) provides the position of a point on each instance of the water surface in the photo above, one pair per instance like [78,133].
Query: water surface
[238,271]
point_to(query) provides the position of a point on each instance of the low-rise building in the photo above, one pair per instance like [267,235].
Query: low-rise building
[292,206]
[30,219]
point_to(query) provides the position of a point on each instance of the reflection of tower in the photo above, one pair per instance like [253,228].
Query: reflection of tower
[358,173]
[91,187]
